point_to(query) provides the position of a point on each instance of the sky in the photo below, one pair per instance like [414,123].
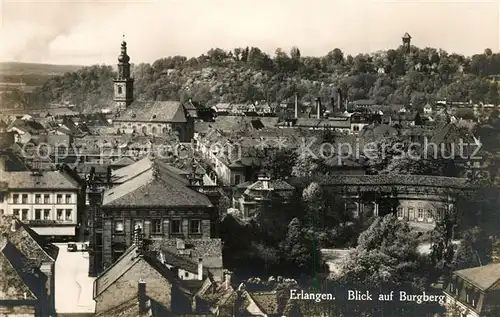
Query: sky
[85,32]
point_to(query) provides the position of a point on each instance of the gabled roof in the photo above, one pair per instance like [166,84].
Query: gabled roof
[486,278]
[181,262]
[150,189]
[27,241]
[124,161]
[44,180]
[210,250]
[126,262]
[17,280]
[154,111]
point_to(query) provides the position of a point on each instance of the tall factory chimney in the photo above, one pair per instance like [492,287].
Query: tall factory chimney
[296,106]
[318,108]
[339,99]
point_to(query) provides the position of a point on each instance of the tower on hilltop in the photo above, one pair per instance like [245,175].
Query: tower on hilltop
[406,42]
[123,84]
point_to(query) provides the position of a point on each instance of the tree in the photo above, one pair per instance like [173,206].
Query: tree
[276,163]
[442,250]
[386,254]
[298,252]
[314,205]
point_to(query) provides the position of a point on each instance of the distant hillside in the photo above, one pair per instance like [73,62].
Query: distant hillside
[395,76]
[13,68]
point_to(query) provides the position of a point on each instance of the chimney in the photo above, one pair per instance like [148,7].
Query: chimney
[296,106]
[332,103]
[141,296]
[200,269]
[318,108]
[265,181]
[13,225]
[180,244]
[339,98]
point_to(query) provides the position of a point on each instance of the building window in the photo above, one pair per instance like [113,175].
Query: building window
[156,226]
[15,198]
[46,214]
[441,212]
[138,224]
[120,90]
[118,226]
[195,226]
[38,199]
[420,214]
[68,214]
[46,199]
[68,199]
[16,213]
[176,227]
[25,214]
[38,214]
[237,179]
[24,198]
[400,212]
[411,213]
[59,199]
[59,215]
[430,215]
[186,274]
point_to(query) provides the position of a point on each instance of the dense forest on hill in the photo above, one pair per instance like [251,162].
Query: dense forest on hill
[247,74]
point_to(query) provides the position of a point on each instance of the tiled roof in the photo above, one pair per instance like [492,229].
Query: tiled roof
[124,161]
[121,266]
[18,279]
[376,131]
[484,277]
[268,302]
[27,241]
[394,180]
[129,308]
[149,189]
[154,111]
[181,262]
[131,171]
[44,180]
[210,250]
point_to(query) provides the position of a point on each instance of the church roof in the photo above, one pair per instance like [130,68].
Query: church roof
[154,111]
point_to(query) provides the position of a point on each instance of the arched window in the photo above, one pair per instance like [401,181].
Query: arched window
[165,130]
[120,90]
[154,130]
[144,130]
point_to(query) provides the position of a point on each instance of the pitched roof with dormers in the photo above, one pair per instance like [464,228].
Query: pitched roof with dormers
[153,187]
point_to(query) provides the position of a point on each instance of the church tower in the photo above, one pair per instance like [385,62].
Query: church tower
[123,84]
[406,42]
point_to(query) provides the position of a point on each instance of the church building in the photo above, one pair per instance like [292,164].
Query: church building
[152,118]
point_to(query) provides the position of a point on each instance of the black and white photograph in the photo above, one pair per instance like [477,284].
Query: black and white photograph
[279,158]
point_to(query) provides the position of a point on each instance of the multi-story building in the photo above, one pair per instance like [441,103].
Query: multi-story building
[47,201]
[475,292]
[422,200]
[27,273]
[153,199]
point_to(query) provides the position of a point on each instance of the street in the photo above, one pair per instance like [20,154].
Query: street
[73,287]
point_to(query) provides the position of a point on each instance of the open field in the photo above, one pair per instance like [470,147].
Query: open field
[29,75]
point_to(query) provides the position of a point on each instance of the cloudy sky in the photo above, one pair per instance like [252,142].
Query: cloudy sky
[89,31]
